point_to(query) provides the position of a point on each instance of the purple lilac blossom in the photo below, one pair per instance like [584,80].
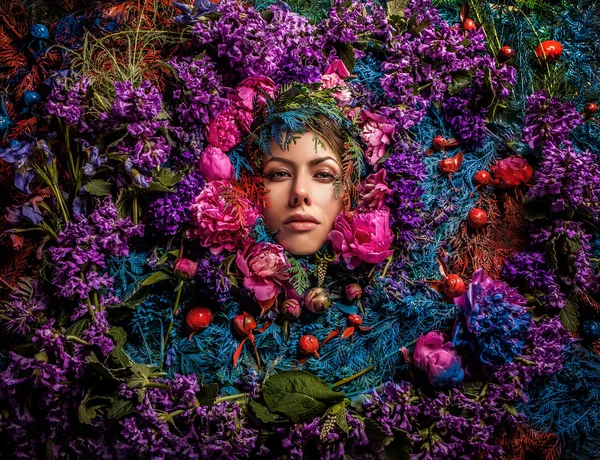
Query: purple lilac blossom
[23,310]
[68,102]
[530,270]
[548,121]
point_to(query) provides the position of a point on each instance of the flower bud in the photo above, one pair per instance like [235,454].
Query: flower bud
[198,318]
[308,345]
[244,324]
[317,300]
[353,291]
[291,309]
[482,177]
[185,268]
[435,355]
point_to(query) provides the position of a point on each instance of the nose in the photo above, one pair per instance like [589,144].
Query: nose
[300,194]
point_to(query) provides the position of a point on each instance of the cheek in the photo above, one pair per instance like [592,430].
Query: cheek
[273,214]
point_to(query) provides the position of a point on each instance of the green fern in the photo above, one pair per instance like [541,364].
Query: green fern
[299,279]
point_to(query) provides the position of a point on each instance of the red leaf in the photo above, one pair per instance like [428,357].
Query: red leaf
[331,335]
[265,326]
[238,352]
[265,304]
[365,328]
[316,354]
[464,12]
[348,332]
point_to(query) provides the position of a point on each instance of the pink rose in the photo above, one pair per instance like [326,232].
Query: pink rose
[215,222]
[185,268]
[223,131]
[377,134]
[215,165]
[248,88]
[435,355]
[263,266]
[373,191]
[362,237]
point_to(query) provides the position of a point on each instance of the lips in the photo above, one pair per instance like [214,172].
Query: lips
[301,222]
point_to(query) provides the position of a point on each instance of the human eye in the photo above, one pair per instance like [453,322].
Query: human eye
[278,175]
[325,176]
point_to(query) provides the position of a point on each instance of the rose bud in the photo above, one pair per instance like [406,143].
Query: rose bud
[198,318]
[454,286]
[215,165]
[355,320]
[290,309]
[185,268]
[506,52]
[353,291]
[436,356]
[317,300]
[308,345]
[244,324]
[477,218]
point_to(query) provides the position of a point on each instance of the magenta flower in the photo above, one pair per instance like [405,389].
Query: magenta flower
[334,77]
[185,268]
[263,266]
[216,223]
[364,237]
[248,89]
[435,355]
[215,165]
[374,190]
[337,67]
[223,132]
[377,133]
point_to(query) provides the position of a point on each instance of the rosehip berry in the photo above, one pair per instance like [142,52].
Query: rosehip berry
[244,324]
[551,48]
[198,318]
[469,24]
[450,165]
[482,177]
[477,218]
[590,108]
[454,286]
[355,320]
[439,143]
[308,345]
[506,52]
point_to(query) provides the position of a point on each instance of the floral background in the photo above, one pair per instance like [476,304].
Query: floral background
[146,310]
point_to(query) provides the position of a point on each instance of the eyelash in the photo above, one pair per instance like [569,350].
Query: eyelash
[275,175]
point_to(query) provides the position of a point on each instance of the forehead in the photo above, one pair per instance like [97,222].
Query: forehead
[307,147]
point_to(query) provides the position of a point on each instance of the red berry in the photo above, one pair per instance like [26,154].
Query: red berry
[506,52]
[355,320]
[454,286]
[590,108]
[482,177]
[244,324]
[477,218]
[469,24]
[551,48]
[308,345]
[198,318]
[439,142]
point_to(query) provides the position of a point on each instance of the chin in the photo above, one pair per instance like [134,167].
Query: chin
[301,246]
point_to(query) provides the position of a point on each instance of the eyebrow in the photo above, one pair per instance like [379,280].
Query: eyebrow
[316,161]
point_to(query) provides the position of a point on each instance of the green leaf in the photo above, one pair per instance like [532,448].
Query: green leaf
[90,404]
[263,413]
[135,299]
[167,177]
[511,410]
[535,209]
[156,187]
[345,51]
[207,394]
[119,335]
[120,408]
[140,377]
[123,203]
[155,278]
[460,81]
[98,188]
[120,357]
[78,327]
[569,315]
[396,7]
[115,375]
[299,395]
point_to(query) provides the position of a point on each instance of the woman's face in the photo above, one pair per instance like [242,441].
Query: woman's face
[300,188]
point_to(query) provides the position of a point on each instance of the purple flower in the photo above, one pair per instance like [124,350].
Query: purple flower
[495,320]
[436,356]
[23,308]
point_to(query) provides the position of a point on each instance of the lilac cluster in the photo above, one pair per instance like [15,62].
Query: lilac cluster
[23,309]
[468,125]
[574,267]
[171,210]
[136,105]
[405,203]
[213,282]
[530,271]
[82,248]
[569,179]
[283,48]
[67,101]
[199,97]
[390,407]
[548,121]
[495,320]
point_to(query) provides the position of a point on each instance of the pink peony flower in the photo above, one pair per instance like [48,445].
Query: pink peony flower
[215,165]
[185,268]
[435,355]
[373,191]
[248,88]
[223,132]
[377,134]
[338,67]
[263,266]
[362,237]
[215,222]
